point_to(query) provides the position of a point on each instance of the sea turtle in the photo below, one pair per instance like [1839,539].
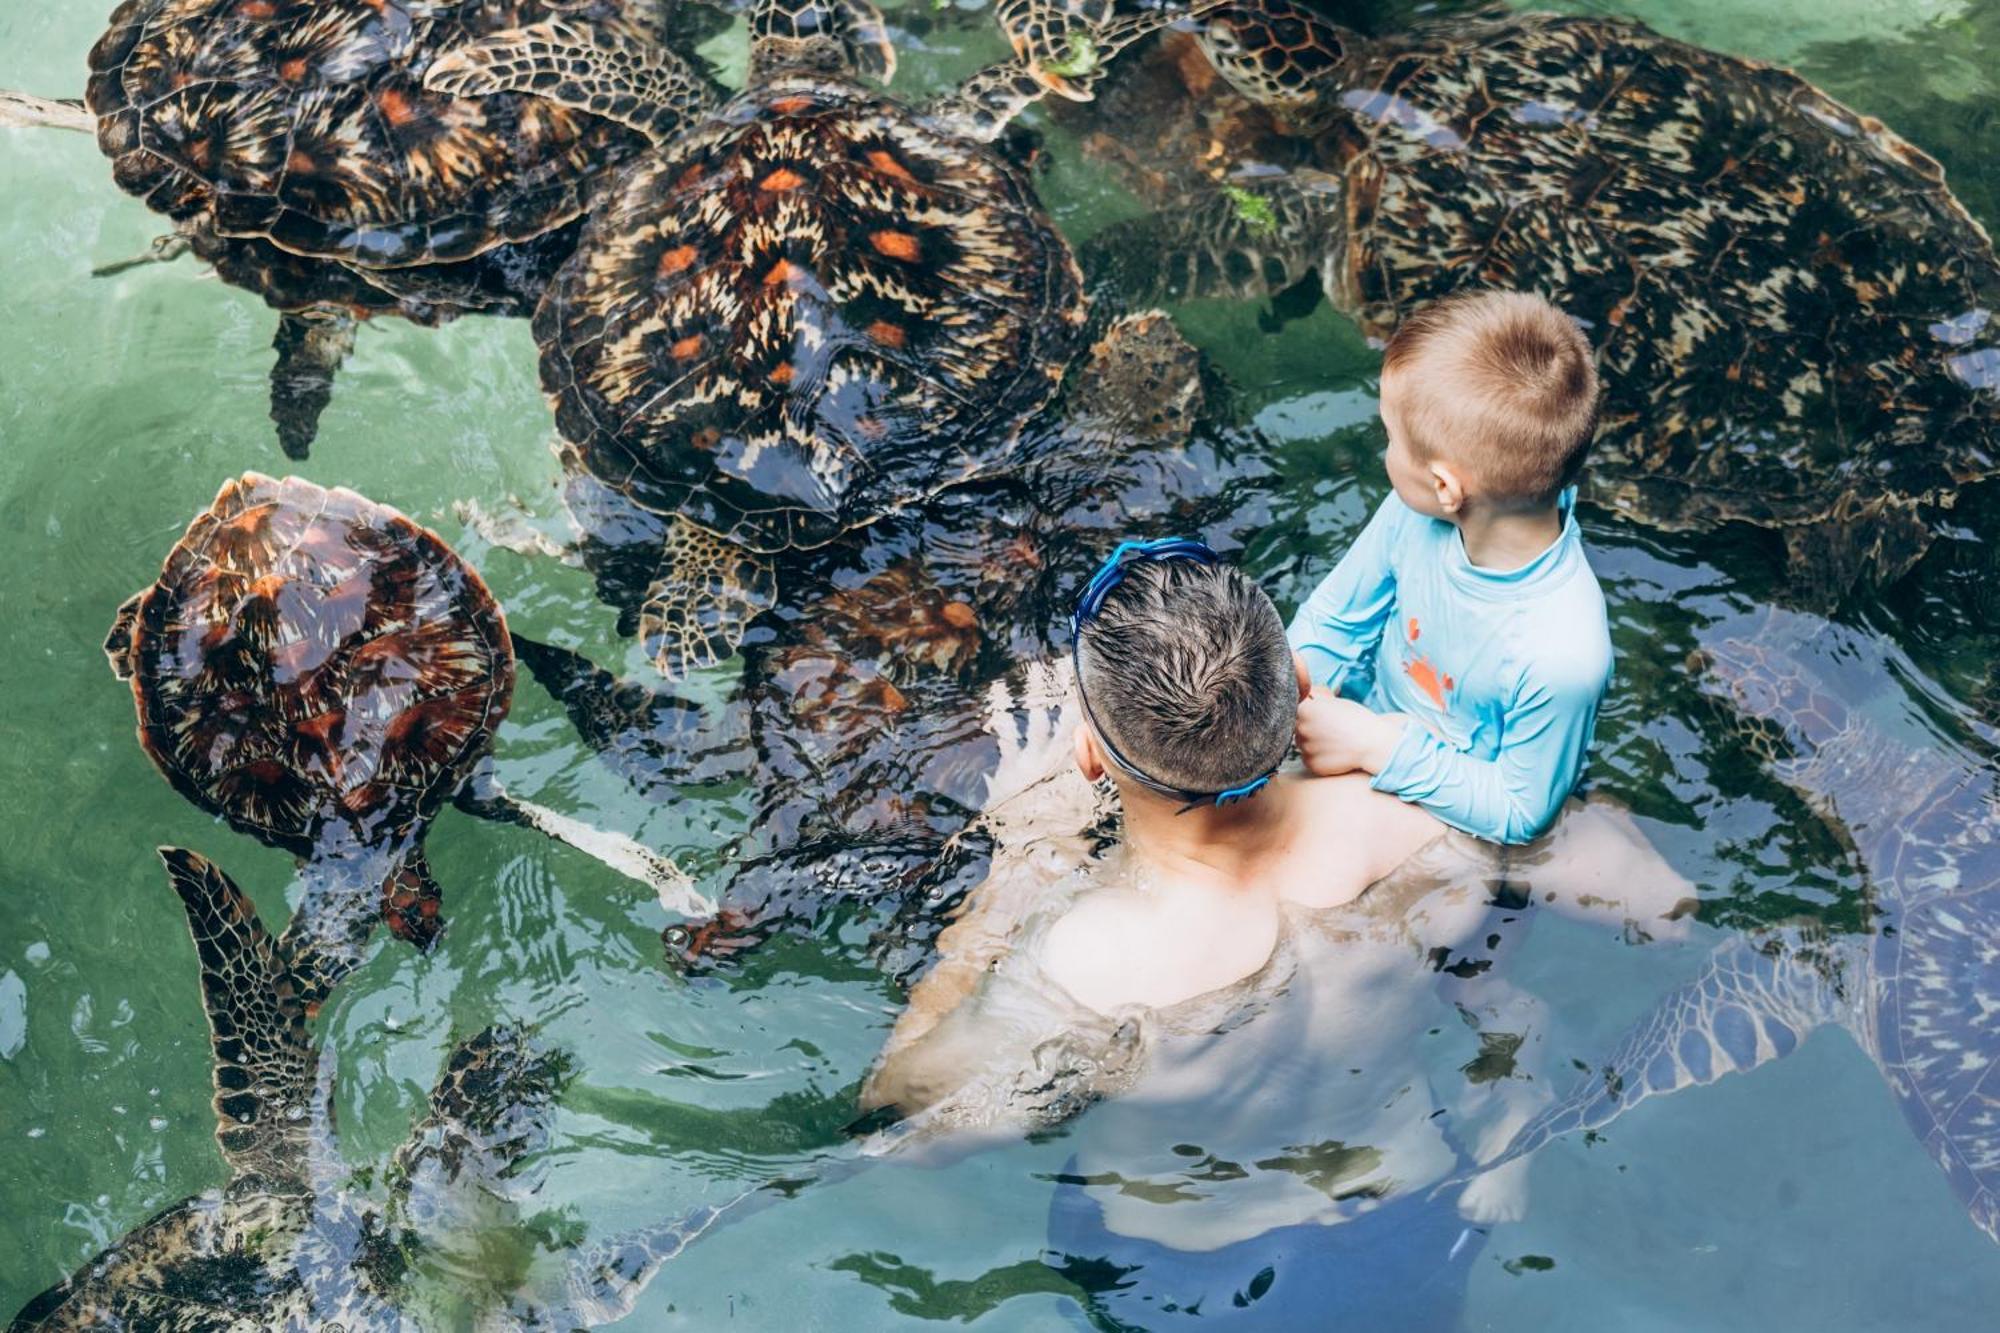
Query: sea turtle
[1792,311]
[324,675]
[1916,991]
[809,306]
[857,730]
[295,147]
[291,1241]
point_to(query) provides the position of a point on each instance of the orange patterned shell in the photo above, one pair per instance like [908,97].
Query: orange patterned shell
[306,122]
[811,309]
[308,655]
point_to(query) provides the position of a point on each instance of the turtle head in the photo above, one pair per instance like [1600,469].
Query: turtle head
[1274,53]
[1781,704]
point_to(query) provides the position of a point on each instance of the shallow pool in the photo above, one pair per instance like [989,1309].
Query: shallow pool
[1793,1197]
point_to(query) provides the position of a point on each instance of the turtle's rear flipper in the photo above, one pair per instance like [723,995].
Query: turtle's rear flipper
[490,1108]
[25,111]
[310,349]
[1748,1006]
[257,1024]
[412,902]
[702,600]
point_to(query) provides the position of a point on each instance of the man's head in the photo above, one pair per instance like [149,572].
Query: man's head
[1490,397]
[1189,676]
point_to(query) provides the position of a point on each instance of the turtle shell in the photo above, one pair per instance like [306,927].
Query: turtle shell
[1792,310]
[306,123]
[310,656]
[810,310]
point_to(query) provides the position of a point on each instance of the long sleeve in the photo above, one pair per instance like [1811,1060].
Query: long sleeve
[1339,627]
[1512,798]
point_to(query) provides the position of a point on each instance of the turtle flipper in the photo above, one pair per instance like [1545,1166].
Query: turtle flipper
[609,69]
[310,349]
[484,796]
[257,1024]
[1826,558]
[489,1109]
[1061,48]
[651,738]
[25,111]
[1750,1005]
[412,902]
[703,599]
[118,643]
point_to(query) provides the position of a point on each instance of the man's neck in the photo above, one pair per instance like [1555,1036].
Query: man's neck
[1504,540]
[1219,849]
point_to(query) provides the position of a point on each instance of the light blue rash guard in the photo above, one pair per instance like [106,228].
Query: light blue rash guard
[1500,673]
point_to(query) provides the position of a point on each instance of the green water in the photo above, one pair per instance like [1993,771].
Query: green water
[1791,1198]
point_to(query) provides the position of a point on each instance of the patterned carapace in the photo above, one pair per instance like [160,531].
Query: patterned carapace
[305,123]
[313,664]
[809,308]
[1793,313]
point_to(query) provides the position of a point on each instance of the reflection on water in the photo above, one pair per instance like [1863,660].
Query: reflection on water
[823,786]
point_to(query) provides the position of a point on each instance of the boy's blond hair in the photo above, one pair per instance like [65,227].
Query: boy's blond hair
[1501,383]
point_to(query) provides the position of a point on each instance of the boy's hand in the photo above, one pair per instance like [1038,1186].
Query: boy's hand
[1337,735]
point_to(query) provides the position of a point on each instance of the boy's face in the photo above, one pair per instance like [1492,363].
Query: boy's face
[1415,484]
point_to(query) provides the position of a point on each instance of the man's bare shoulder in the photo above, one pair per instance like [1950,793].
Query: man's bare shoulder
[1350,835]
[1103,924]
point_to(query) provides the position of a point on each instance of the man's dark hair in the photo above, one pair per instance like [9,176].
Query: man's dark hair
[1189,675]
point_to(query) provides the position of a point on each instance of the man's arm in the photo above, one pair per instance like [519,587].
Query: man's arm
[1339,626]
[1514,797]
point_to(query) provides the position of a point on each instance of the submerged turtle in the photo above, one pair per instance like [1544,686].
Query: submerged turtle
[811,305]
[1792,310]
[287,1243]
[296,148]
[858,731]
[324,674]
[1915,992]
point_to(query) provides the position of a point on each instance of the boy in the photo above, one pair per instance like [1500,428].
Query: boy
[1465,617]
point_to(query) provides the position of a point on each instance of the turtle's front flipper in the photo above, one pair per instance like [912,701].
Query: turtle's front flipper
[1754,1002]
[483,795]
[1059,48]
[310,349]
[257,1024]
[703,599]
[651,738]
[609,69]
[19,111]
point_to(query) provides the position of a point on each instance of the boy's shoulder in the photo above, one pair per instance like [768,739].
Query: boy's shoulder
[1563,635]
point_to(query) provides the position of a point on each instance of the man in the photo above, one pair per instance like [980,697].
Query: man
[1261,1019]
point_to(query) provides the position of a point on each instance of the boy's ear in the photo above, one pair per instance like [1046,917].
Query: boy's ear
[1304,675]
[1089,759]
[1446,485]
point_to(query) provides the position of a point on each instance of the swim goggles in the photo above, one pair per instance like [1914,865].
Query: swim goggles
[1088,603]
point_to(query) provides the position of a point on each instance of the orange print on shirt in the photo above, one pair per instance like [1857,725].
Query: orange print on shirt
[1426,676]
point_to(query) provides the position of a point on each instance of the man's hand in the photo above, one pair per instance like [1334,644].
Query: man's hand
[1337,735]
